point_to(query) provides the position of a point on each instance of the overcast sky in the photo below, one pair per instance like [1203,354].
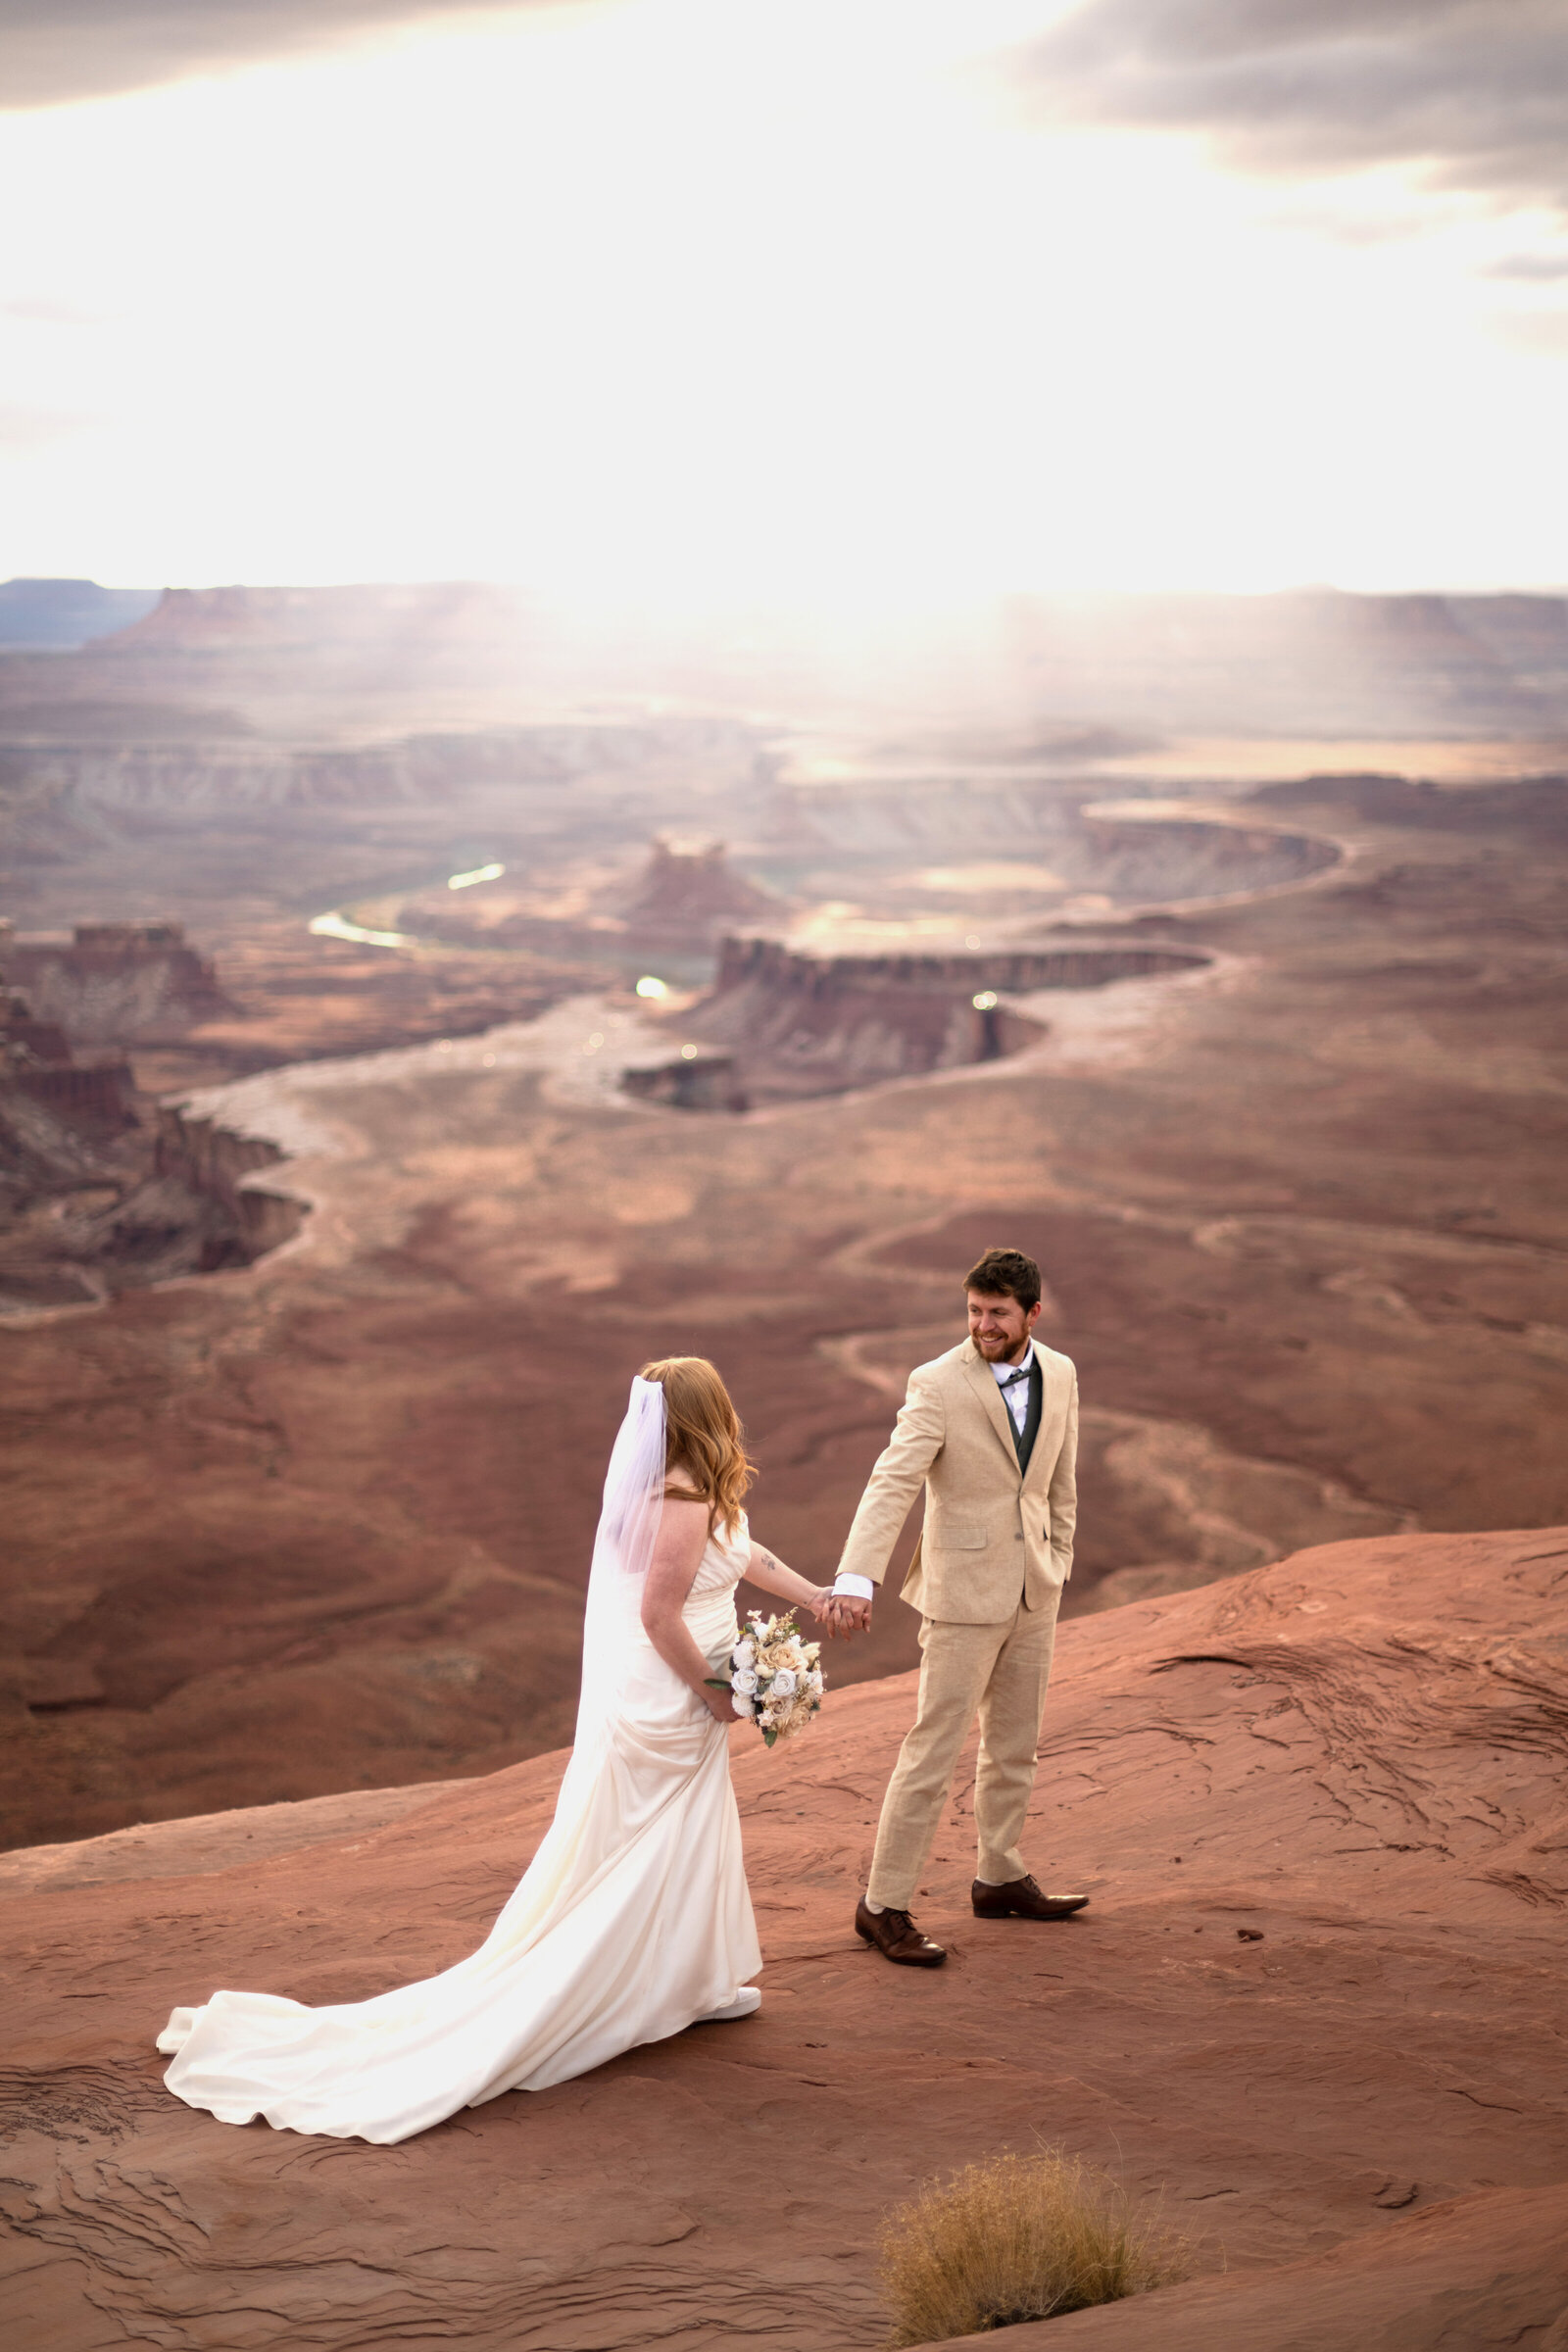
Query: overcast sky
[907,297]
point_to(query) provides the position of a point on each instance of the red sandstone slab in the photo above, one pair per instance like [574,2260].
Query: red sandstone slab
[1482,2272]
[1358,1756]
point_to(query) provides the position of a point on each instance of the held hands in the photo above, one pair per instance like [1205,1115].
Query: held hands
[836,1612]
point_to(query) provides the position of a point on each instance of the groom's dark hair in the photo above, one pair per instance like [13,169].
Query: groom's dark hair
[1006,1274]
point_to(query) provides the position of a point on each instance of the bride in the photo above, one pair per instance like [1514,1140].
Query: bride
[633,1919]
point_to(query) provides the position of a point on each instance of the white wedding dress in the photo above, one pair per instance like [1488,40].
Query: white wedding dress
[632,1922]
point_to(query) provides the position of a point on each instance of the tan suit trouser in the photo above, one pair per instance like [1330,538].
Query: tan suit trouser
[1000,1671]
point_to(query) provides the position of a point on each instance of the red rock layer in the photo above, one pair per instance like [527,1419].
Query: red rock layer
[1316,2002]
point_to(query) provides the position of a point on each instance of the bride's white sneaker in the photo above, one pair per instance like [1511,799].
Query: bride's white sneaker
[745,2003]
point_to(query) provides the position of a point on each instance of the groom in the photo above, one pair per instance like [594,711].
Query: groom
[991,1429]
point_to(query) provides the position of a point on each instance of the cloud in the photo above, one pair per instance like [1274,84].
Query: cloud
[43,310]
[1528,268]
[1538,334]
[1471,93]
[51,51]
[25,428]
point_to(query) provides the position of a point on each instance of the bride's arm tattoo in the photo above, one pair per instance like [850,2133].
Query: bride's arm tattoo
[773,1575]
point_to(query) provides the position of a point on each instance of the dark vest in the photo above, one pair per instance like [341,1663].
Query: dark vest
[1024,1444]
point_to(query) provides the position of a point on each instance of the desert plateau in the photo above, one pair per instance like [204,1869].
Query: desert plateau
[1315,2007]
[413,1023]
[319,1316]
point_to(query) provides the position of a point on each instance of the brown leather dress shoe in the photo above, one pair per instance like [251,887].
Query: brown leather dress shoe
[897,1938]
[1021,1899]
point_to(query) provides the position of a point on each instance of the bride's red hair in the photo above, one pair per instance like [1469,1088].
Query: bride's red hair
[705,1444]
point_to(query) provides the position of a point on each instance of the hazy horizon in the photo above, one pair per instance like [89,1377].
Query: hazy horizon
[804,604]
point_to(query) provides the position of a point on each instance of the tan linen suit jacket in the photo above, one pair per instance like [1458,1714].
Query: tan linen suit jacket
[993,1535]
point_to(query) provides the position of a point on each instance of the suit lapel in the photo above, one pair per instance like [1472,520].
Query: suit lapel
[1034,1413]
[1041,1451]
[990,1395]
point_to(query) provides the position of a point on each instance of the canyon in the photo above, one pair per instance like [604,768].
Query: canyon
[424,1006]
[301,1525]
[1272,1084]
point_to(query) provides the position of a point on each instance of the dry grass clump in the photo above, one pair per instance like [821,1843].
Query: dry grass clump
[1018,2238]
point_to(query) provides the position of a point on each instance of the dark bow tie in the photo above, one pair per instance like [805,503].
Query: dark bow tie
[1010,1378]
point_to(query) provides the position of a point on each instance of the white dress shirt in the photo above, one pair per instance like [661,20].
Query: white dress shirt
[1015,1397]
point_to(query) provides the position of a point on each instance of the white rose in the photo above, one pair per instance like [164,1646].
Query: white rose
[740,1702]
[813,1682]
[744,1653]
[783,1684]
[742,1682]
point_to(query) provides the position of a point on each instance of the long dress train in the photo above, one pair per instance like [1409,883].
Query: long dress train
[633,1920]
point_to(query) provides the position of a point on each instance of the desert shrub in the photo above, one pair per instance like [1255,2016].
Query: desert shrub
[1018,2238]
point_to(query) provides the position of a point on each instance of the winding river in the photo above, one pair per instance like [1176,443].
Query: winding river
[335,924]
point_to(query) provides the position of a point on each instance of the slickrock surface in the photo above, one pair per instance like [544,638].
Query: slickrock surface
[1317,2001]
[1489,2270]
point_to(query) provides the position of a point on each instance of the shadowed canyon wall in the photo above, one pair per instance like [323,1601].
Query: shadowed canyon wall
[807,1024]
[112,982]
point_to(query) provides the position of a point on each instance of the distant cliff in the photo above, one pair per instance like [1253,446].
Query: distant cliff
[797,1024]
[1080,677]
[111,983]
[66,775]
[65,613]
[684,896]
[1310,661]
[213,1161]
[1128,851]
[94,1197]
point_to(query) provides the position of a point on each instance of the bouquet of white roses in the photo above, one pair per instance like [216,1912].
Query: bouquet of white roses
[775,1679]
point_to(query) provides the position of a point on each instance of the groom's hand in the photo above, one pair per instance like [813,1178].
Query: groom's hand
[850,1615]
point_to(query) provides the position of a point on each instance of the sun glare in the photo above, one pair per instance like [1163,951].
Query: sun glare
[672,293]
